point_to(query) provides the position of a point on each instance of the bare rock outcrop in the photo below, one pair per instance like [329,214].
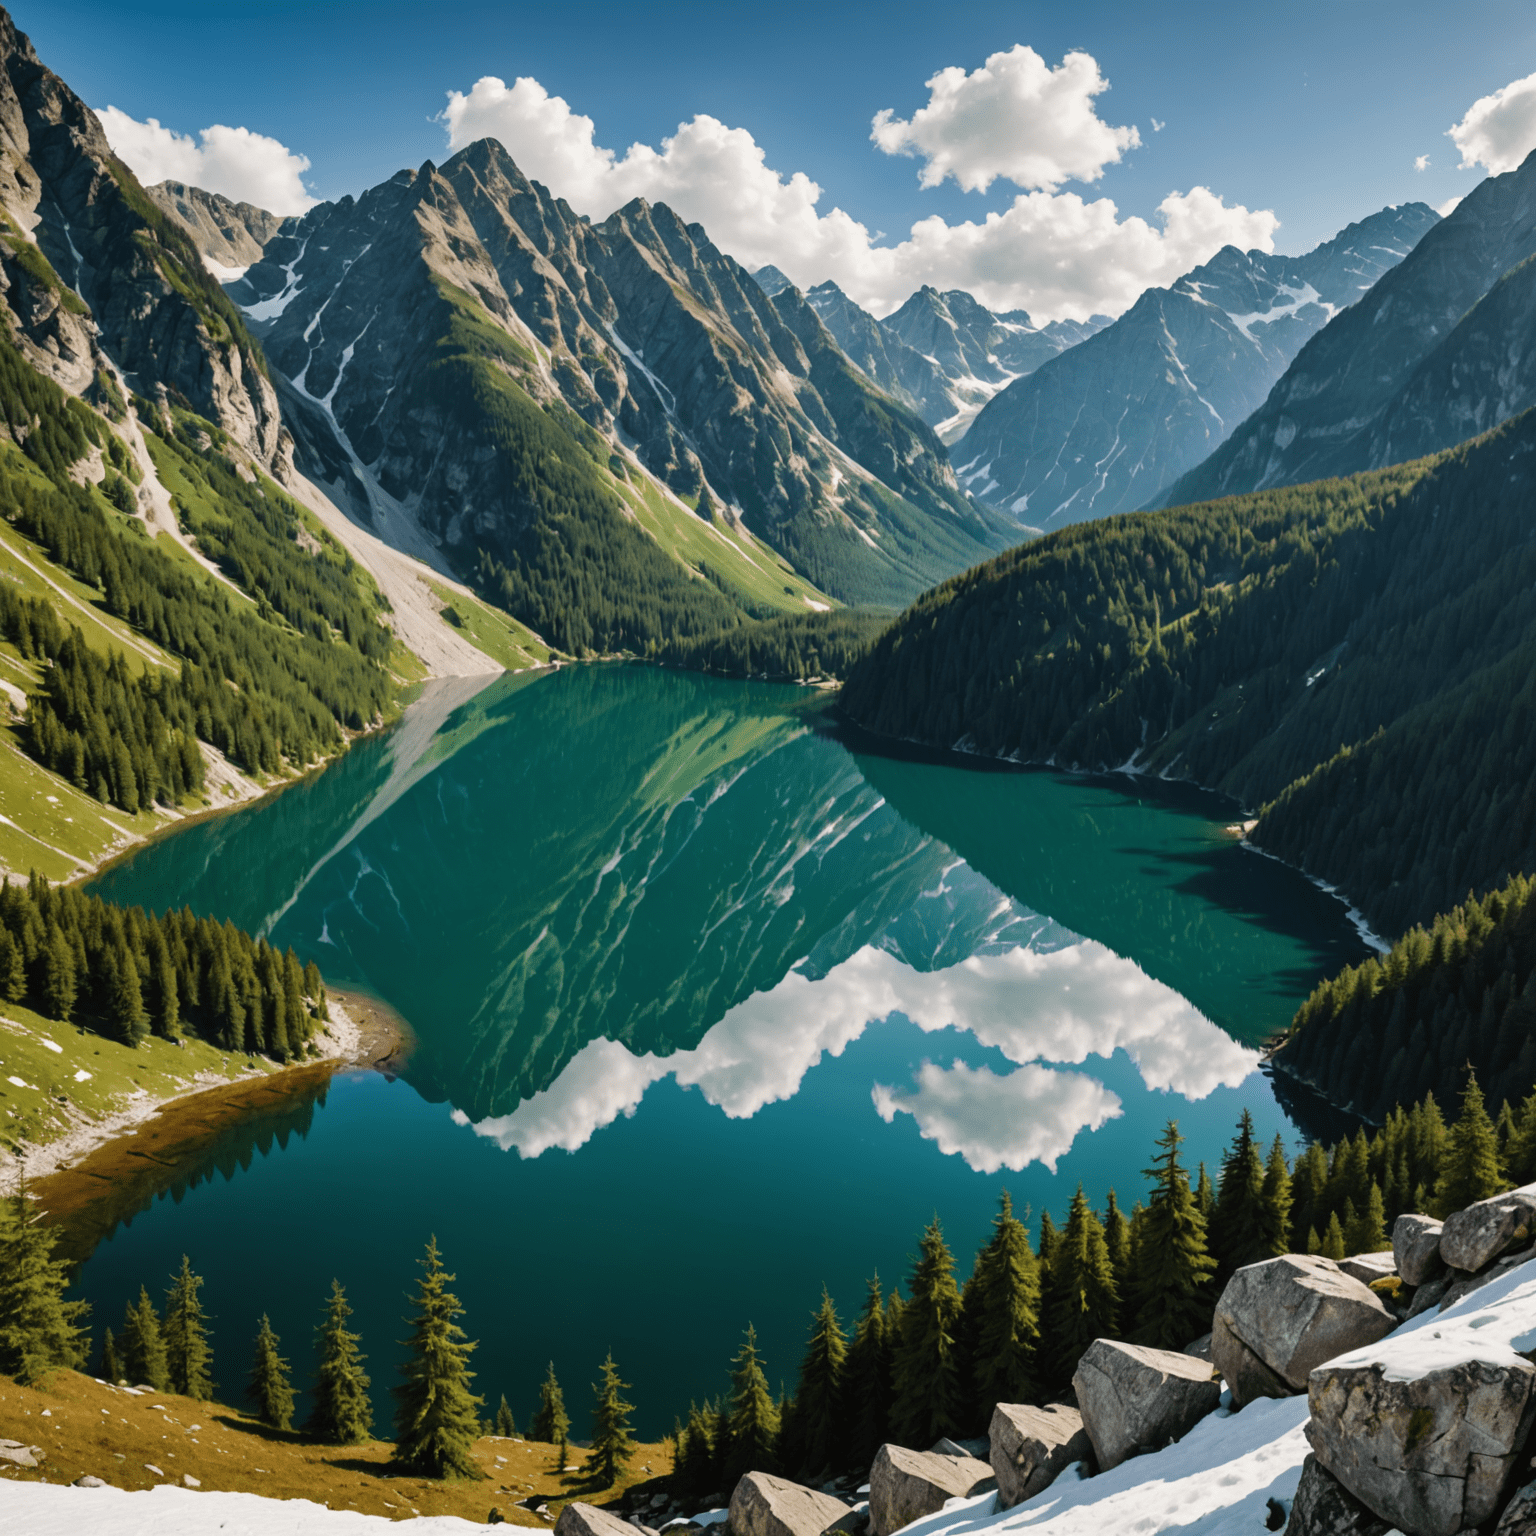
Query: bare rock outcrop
[1416,1247]
[1369,1267]
[588,1520]
[1323,1506]
[1289,1315]
[1477,1236]
[1519,1517]
[762,1505]
[1430,1452]
[1135,1399]
[906,1485]
[1031,1447]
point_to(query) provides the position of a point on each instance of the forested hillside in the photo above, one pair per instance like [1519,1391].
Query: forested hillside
[1353,659]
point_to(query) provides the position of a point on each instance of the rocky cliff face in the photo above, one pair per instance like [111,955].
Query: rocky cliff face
[231,236]
[1337,409]
[1110,424]
[85,237]
[637,340]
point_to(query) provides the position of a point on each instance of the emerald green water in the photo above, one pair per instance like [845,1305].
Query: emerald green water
[713,1008]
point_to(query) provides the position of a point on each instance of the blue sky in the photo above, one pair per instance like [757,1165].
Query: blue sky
[1316,112]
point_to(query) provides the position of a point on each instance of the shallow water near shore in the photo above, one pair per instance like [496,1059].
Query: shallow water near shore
[712,1007]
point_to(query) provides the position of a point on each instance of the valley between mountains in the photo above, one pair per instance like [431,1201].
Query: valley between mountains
[533,744]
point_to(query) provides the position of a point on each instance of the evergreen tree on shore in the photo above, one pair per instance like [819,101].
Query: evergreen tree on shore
[187,1354]
[1275,1229]
[867,1378]
[1172,1301]
[39,1330]
[111,1366]
[506,1425]
[926,1369]
[340,1413]
[1471,1161]
[143,1344]
[613,1440]
[821,1418]
[1237,1226]
[437,1423]
[551,1423]
[1080,1302]
[1007,1303]
[752,1428]
[269,1387]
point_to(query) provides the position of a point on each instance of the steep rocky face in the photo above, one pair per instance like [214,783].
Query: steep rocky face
[84,230]
[636,336]
[1107,426]
[1337,408]
[230,235]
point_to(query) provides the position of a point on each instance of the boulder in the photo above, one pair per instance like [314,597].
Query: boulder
[1478,1235]
[1431,1453]
[1416,1247]
[1519,1517]
[1031,1447]
[944,1446]
[774,1506]
[1323,1506]
[1199,1349]
[906,1485]
[17,1454]
[1463,1285]
[1368,1267]
[1430,1294]
[589,1520]
[87,1482]
[1247,1377]
[1299,1310]
[1135,1399]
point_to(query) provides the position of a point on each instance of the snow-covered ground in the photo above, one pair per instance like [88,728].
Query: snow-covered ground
[1217,1481]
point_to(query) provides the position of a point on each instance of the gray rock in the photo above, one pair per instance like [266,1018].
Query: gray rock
[1464,1285]
[1324,1507]
[1299,1310]
[1031,1447]
[1431,1293]
[906,1485]
[1432,1454]
[88,1482]
[1134,1399]
[589,1520]
[17,1454]
[1366,1267]
[1519,1517]
[774,1506]
[1476,1236]
[188,1481]
[979,1448]
[1246,1375]
[1416,1247]
[1199,1349]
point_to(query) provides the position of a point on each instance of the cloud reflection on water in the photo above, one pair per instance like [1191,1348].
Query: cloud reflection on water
[1058,1005]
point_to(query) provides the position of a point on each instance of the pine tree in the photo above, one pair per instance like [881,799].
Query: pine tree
[867,1379]
[1237,1232]
[111,1366]
[695,1454]
[39,1330]
[1205,1197]
[1367,1233]
[821,1422]
[1172,1300]
[551,1423]
[1117,1238]
[753,1423]
[1333,1240]
[143,1344]
[926,1371]
[269,1387]
[1308,1180]
[613,1440]
[436,1422]
[1520,1155]
[1276,1201]
[506,1425]
[1008,1316]
[1471,1166]
[340,1413]
[1050,1243]
[187,1355]
[1080,1302]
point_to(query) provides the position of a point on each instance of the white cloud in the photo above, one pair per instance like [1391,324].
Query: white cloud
[244,166]
[1498,131]
[1158,127]
[1052,253]
[1031,1115]
[1421,162]
[1448,207]
[1060,1005]
[1014,118]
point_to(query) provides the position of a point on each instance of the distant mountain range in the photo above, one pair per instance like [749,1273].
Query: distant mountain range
[942,354]
[1438,350]
[1108,425]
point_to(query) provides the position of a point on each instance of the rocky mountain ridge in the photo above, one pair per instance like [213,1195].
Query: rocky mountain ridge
[1437,351]
[1108,425]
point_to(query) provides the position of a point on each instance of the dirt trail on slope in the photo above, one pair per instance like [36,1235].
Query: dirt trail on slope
[402,578]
